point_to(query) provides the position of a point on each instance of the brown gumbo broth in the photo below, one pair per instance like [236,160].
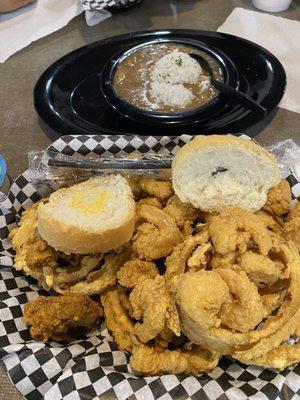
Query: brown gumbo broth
[132,79]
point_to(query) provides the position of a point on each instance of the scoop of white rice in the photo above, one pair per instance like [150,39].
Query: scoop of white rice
[204,83]
[170,95]
[176,67]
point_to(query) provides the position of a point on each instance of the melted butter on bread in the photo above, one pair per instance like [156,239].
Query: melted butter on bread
[91,202]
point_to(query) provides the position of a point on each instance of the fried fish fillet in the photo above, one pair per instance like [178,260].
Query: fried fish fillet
[150,361]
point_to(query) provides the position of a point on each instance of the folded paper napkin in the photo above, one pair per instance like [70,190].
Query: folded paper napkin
[19,29]
[95,10]
[281,36]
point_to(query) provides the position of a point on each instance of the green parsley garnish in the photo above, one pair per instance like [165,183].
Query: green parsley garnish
[179,61]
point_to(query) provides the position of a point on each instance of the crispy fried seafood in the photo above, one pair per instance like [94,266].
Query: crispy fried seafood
[156,235]
[87,274]
[32,252]
[135,271]
[279,199]
[61,317]
[227,305]
[152,303]
[162,190]
[292,226]
[117,310]
[189,288]
[149,361]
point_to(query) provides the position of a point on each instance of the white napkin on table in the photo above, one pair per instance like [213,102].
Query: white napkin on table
[281,36]
[20,28]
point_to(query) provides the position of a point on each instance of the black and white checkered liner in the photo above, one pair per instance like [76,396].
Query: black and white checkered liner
[99,5]
[93,367]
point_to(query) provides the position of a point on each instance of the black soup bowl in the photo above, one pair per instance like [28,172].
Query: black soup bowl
[228,70]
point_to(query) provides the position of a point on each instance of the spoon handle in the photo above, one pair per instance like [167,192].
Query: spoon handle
[240,97]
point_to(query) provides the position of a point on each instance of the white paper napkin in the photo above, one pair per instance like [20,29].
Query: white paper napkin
[93,17]
[19,29]
[281,36]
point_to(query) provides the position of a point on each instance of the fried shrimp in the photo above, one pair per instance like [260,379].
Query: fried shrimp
[135,271]
[152,303]
[181,212]
[249,345]
[150,201]
[261,269]
[246,310]
[279,199]
[153,187]
[187,288]
[235,228]
[156,237]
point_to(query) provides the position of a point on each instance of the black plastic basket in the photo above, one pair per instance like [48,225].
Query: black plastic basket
[124,5]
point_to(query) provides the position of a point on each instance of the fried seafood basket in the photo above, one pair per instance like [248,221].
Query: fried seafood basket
[93,366]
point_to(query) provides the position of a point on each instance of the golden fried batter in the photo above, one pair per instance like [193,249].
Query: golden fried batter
[246,310]
[156,237]
[135,271]
[227,260]
[235,228]
[32,252]
[272,222]
[61,317]
[200,257]
[295,212]
[153,187]
[292,226]
[37,259]
[231,284]
[279,199]
[181,212]
[272,301]
[152,303]
[150,361]
[150,201]
[97,281]
[177,262]
[210,293]
[261,269]
[279,358]
[114,301]
[200,314]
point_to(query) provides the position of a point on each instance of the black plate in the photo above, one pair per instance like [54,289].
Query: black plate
[68,98]
[187,117]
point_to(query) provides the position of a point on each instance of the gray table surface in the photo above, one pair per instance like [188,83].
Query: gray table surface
[21,129]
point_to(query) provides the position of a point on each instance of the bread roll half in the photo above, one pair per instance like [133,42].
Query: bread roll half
[92,217]
[215,173]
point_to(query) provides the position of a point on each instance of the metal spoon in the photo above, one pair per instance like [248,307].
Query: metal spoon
[234,94]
